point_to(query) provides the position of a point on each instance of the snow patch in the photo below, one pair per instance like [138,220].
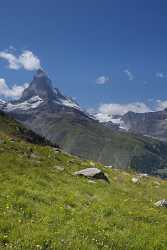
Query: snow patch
[104,118]
[120,123]
[2,101]
[68,103]
[32,103]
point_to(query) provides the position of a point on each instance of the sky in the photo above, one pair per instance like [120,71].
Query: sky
[110,55]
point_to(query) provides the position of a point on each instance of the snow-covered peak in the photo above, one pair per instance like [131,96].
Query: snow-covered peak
[32,103]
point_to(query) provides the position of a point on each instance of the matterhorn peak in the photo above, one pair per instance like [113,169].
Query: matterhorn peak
[40,86]
[40,91]
[40,73]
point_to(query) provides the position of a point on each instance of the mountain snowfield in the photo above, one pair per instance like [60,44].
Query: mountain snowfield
[31,103]
[36,101]
[110,120]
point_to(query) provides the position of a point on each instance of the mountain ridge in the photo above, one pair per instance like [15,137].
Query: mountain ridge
[60,120]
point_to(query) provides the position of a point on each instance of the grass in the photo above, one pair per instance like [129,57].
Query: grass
[43,206]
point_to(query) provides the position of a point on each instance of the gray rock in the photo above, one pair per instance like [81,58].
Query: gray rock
[1,141]
[60,168]
[136,180]
[161,203]
[56,150]
[143,175]
[92,173]
[34,155]
[109,166]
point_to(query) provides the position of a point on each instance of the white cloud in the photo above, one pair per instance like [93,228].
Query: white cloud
[105,112]
[160,75]
[29,61]
[103,79]
[14,92]
[12,60]
[26,60]
[161,105]
[129,74]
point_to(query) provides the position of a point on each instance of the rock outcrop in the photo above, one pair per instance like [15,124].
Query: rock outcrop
[92,173]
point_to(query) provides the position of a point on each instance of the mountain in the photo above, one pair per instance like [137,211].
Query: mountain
[59,119]
[153,124]
[13,129]
[43,203]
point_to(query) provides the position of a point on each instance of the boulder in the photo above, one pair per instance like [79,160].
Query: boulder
[92,173]
[136,180]
[161,203]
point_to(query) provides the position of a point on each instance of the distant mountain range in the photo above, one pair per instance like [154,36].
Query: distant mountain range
[61,120]
[151,124]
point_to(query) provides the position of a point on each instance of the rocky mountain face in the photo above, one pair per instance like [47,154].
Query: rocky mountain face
[153,124]
[60,120]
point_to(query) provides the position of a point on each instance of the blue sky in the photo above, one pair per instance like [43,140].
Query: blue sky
[124,42]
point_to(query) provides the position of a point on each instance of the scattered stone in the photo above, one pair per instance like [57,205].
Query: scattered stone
[143,175]
[12,140]
[56,150]
[60,168]
[136,180]
[34,156]
[91,181]
[92,173]
[108,166]
[161,203]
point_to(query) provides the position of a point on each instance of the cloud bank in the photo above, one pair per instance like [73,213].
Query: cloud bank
[26,60]
[14,92]
[105,112]
[161,105]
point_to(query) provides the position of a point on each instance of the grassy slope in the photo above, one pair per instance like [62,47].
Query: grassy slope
[45,207]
